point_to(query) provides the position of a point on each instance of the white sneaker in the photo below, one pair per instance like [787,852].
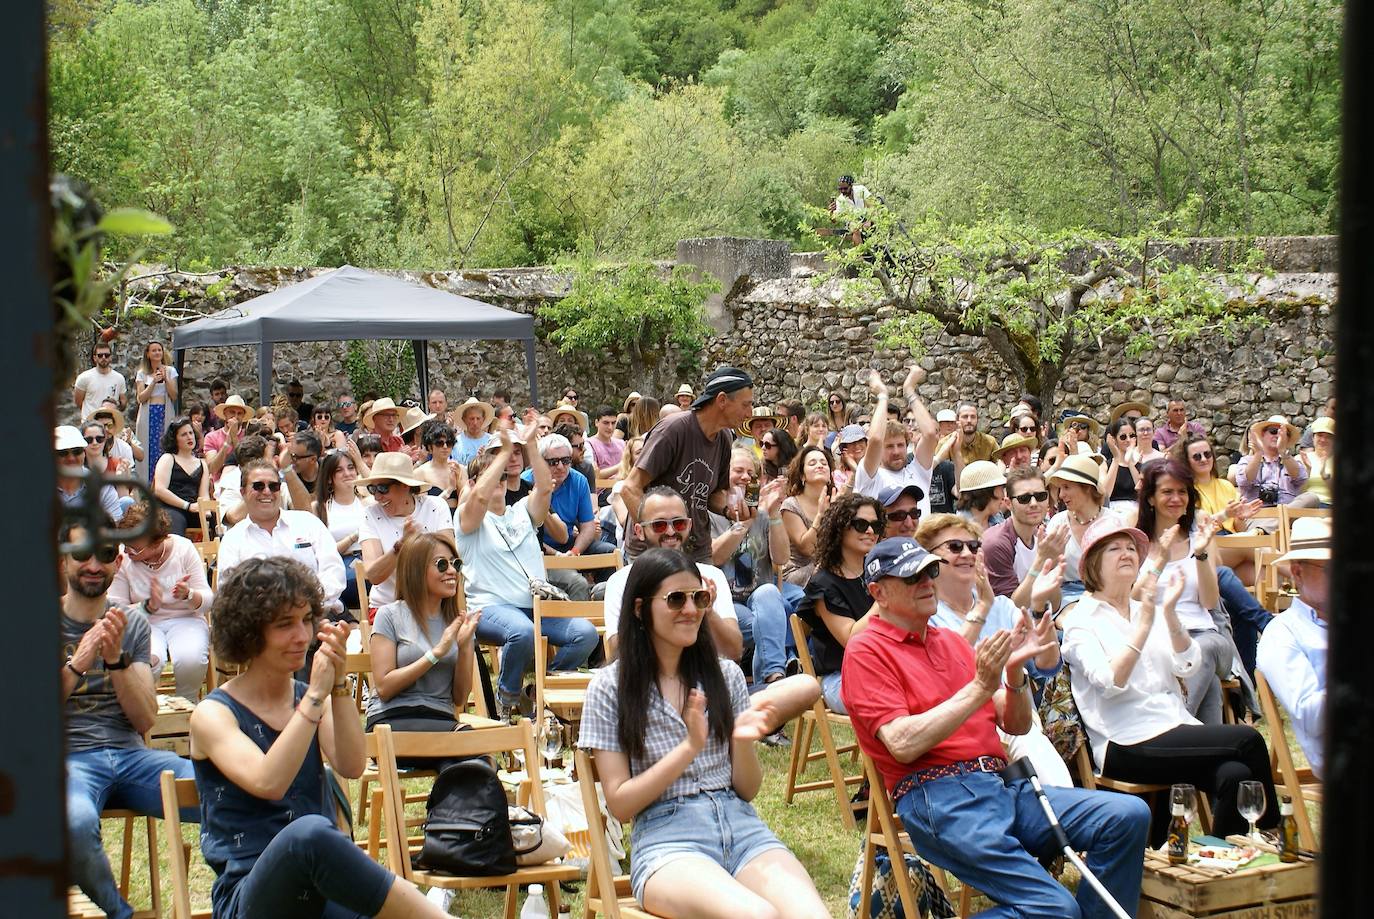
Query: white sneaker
[441,897]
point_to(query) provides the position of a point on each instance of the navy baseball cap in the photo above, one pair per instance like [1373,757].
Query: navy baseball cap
[724,379]
[852,434]
[898,557]
[888,496]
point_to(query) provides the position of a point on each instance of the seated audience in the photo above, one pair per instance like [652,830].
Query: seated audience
[673,728]
[926,707]
[982,493]
[180,478]
[1176,425]
[902,507]
[1319,461]
[810,488]
[1019,548]
[228,490]
[1145,441]
[1270,470]
[71,489]
[1077,481]
[1123,475]
[322,424]
[338,506]
[607,450]
[885,460]
[259,745]
[779,449]
[399,510]
[1128,658]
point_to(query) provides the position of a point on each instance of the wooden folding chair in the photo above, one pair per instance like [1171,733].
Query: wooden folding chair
[177,794]
[1300,783]
[608,560]
[606,893]
[882,830]
[562,693]
[1232,548]
[1269,585]
[1083,764]
[496,740]
[818,720]
[79,905]
[1288,514]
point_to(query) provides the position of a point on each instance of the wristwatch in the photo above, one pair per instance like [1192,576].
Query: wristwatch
[1200,556]
[124,661]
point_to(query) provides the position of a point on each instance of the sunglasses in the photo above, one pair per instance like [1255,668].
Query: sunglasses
[659,527]
[347,404]
[1030,496]
[769,445]
[273,486]
[1078,426]
[1271,430]
[1201,455]
[442,565]
[675,600]
[103,554]
[73,453]
[97,439]
[442,442]
[860,525]
[323,416]
[559,461]
[899,516]
[381,488]
[1029,429]
[925,574]
[957,546]
[302,457]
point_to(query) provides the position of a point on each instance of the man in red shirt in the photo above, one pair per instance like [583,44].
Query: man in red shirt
[926,708]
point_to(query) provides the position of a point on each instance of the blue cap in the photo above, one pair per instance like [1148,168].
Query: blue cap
[898,557]
[888,496]
[852,434]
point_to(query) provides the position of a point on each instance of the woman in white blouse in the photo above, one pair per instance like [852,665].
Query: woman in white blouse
[401,509]
[1127,658]
[164,572]
[338,506]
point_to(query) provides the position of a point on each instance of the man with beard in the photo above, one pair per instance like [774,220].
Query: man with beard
[110,702]
[664,524]
[1016,550]
[967,441]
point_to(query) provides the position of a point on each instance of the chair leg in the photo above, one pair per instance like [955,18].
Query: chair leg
[363,783]
[796,761]
[965,900]
[836,772]
[374,826]
[511,893]
[154,875]
[553,899]
[126,857]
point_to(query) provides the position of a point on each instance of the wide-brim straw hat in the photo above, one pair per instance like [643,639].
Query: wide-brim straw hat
[1011,442]
[488,412]
[393,467]
[981,474]
[116,419]
[1125,407]
[234,401]
[381,405]
[1109,525]
[414,417]
[1094,427]
[761,413]
[567,408]
[1081,470]
[686,390]
[1085,450]
[630,400]
[1310,541]
[1293,432]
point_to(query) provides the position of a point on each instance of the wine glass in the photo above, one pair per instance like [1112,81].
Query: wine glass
[1187,796]
[551,739]
[1251,803]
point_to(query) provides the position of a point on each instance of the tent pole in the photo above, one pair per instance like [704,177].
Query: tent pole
[420,349]
[265,373]
[530,366]
[181,375]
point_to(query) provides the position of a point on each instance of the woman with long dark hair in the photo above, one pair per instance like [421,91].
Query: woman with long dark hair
[839,412]
[338,506]
[156,384]
[673,728]
[1123,475]
[810,488]
[181,480]
[779,449]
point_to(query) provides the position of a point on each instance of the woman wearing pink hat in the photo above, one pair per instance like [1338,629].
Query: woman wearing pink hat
[1127,658]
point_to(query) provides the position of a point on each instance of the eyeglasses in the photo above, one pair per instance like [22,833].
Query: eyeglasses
[442,565]
[347,404]
[769,445]
[861,525]
[659,527]
[105,554]
[97,439]
[925,574]
[675,600]
[100,354]
[302,457]
[836,401]
[273,486]
[899,516]
[957,546]
[1271,430]
[381,488]
[1201,455]
[73,453]
[559,460]
[1028,497]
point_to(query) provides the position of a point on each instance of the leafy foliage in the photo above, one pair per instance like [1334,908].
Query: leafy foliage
[383,367]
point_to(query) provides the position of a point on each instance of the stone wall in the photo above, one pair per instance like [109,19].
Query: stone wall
[798,339]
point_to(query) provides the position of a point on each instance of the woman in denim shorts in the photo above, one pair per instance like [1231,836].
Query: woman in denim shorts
[673,730]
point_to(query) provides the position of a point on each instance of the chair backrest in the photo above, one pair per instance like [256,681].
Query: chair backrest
[800,633]
[1289,777]
[176,794]
[210,508]
[1247,541]
[360,666]
[1287,514]
[883,823]
[387,745]
[610,560]
[360,575]
[1268,583]
[600,877]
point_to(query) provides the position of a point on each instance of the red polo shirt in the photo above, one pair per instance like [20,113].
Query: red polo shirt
[889,673]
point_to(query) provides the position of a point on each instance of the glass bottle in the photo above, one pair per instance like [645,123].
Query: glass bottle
[1288,831]
[1178,835]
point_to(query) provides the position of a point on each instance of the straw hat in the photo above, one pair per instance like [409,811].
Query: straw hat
[630,401]
[488,413]
[946,415]
[686,390]
[1324,425]
[1011,442]
[234,401]
[1109,525]
[413,418]
[980,474]
[1125,407]
[116,419]
[376,408]
[393,467]
[1309,541]
[1085,450]
[565,408]
[1071,416]
[761,413]
[68,438]
[1293,432]
[1078,469]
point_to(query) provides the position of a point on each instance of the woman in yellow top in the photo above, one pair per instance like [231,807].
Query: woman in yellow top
[1319,460]
[1218,496]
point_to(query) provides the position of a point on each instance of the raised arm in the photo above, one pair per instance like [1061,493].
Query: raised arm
[925,422]
[488,488]
[877,427]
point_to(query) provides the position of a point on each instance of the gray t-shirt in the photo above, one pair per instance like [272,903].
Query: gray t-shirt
[677,454]
[95,718]
[434,689]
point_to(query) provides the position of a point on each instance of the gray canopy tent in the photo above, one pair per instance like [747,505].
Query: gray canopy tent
[352,304]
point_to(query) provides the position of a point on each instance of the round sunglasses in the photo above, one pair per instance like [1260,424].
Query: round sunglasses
[442,565]
[675,600]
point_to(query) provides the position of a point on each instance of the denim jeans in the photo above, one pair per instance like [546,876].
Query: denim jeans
[513,629]
[311,869]
[830,692]
[1248,618]
[763,625]
[989,834]
[111,778]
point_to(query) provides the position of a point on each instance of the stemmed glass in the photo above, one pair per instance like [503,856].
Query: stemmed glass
[551,738]
[1251,804]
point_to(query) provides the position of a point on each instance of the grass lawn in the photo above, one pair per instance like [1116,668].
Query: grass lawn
[810,826]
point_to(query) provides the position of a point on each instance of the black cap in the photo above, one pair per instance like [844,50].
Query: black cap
[723,379]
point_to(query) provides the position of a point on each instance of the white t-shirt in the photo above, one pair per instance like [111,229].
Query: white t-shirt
[913,473]
[345,519]
[615,593]
[1025,556]
[99,387]
[160,390]
[431,514]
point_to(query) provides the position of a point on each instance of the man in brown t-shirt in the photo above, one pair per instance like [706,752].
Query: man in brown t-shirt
[690,453]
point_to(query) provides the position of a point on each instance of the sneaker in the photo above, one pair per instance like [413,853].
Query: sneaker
[508,708]
[792,667]
[778,738]
[441,897]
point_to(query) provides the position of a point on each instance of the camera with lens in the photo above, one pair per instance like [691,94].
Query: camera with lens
[1269,495]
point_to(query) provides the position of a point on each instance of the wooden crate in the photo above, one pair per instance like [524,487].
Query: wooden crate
[1275,891]
[172,727]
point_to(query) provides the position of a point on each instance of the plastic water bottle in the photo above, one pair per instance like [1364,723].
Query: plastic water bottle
[535,907]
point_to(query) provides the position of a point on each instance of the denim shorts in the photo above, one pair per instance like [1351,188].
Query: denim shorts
[716,825]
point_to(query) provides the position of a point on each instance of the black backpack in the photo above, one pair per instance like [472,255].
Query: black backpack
[467,830]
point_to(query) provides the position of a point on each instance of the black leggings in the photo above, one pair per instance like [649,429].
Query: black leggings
[1214,758]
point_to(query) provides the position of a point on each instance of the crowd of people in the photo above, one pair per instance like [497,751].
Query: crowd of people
[960,581]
